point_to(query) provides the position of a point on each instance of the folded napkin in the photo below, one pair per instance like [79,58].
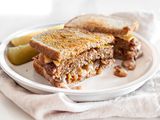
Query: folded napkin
[143,103]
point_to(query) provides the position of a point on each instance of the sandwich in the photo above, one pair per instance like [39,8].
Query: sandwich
[84,48]
[126,45]
[70,55]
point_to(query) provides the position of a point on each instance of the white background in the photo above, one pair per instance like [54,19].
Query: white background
[19,14]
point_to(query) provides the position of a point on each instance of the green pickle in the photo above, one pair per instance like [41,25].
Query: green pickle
[21,54]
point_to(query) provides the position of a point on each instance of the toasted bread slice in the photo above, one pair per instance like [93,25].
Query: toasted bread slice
[69,42]
[103,24]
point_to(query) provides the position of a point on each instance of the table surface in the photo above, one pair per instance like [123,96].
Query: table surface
[8,110]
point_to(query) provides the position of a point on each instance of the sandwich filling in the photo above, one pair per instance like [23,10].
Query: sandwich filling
[85,65]
[127,47]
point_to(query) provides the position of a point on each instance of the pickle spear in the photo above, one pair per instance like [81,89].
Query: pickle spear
[21,54]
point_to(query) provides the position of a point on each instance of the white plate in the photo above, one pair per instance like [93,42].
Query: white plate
[101,87]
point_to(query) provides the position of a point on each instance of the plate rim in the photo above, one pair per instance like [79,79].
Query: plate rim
[18,78]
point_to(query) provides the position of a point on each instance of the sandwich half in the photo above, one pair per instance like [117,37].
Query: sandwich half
[69,55]
[126,46]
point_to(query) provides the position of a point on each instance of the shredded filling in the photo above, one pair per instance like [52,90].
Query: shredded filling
[87,64]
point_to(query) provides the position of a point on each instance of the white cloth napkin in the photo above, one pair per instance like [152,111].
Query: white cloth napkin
[144,102]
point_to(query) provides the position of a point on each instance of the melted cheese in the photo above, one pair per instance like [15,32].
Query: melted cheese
[48,60]
[57,63]
[127,37]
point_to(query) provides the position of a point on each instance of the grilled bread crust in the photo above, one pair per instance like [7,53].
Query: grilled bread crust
[103,24]
[68,42]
